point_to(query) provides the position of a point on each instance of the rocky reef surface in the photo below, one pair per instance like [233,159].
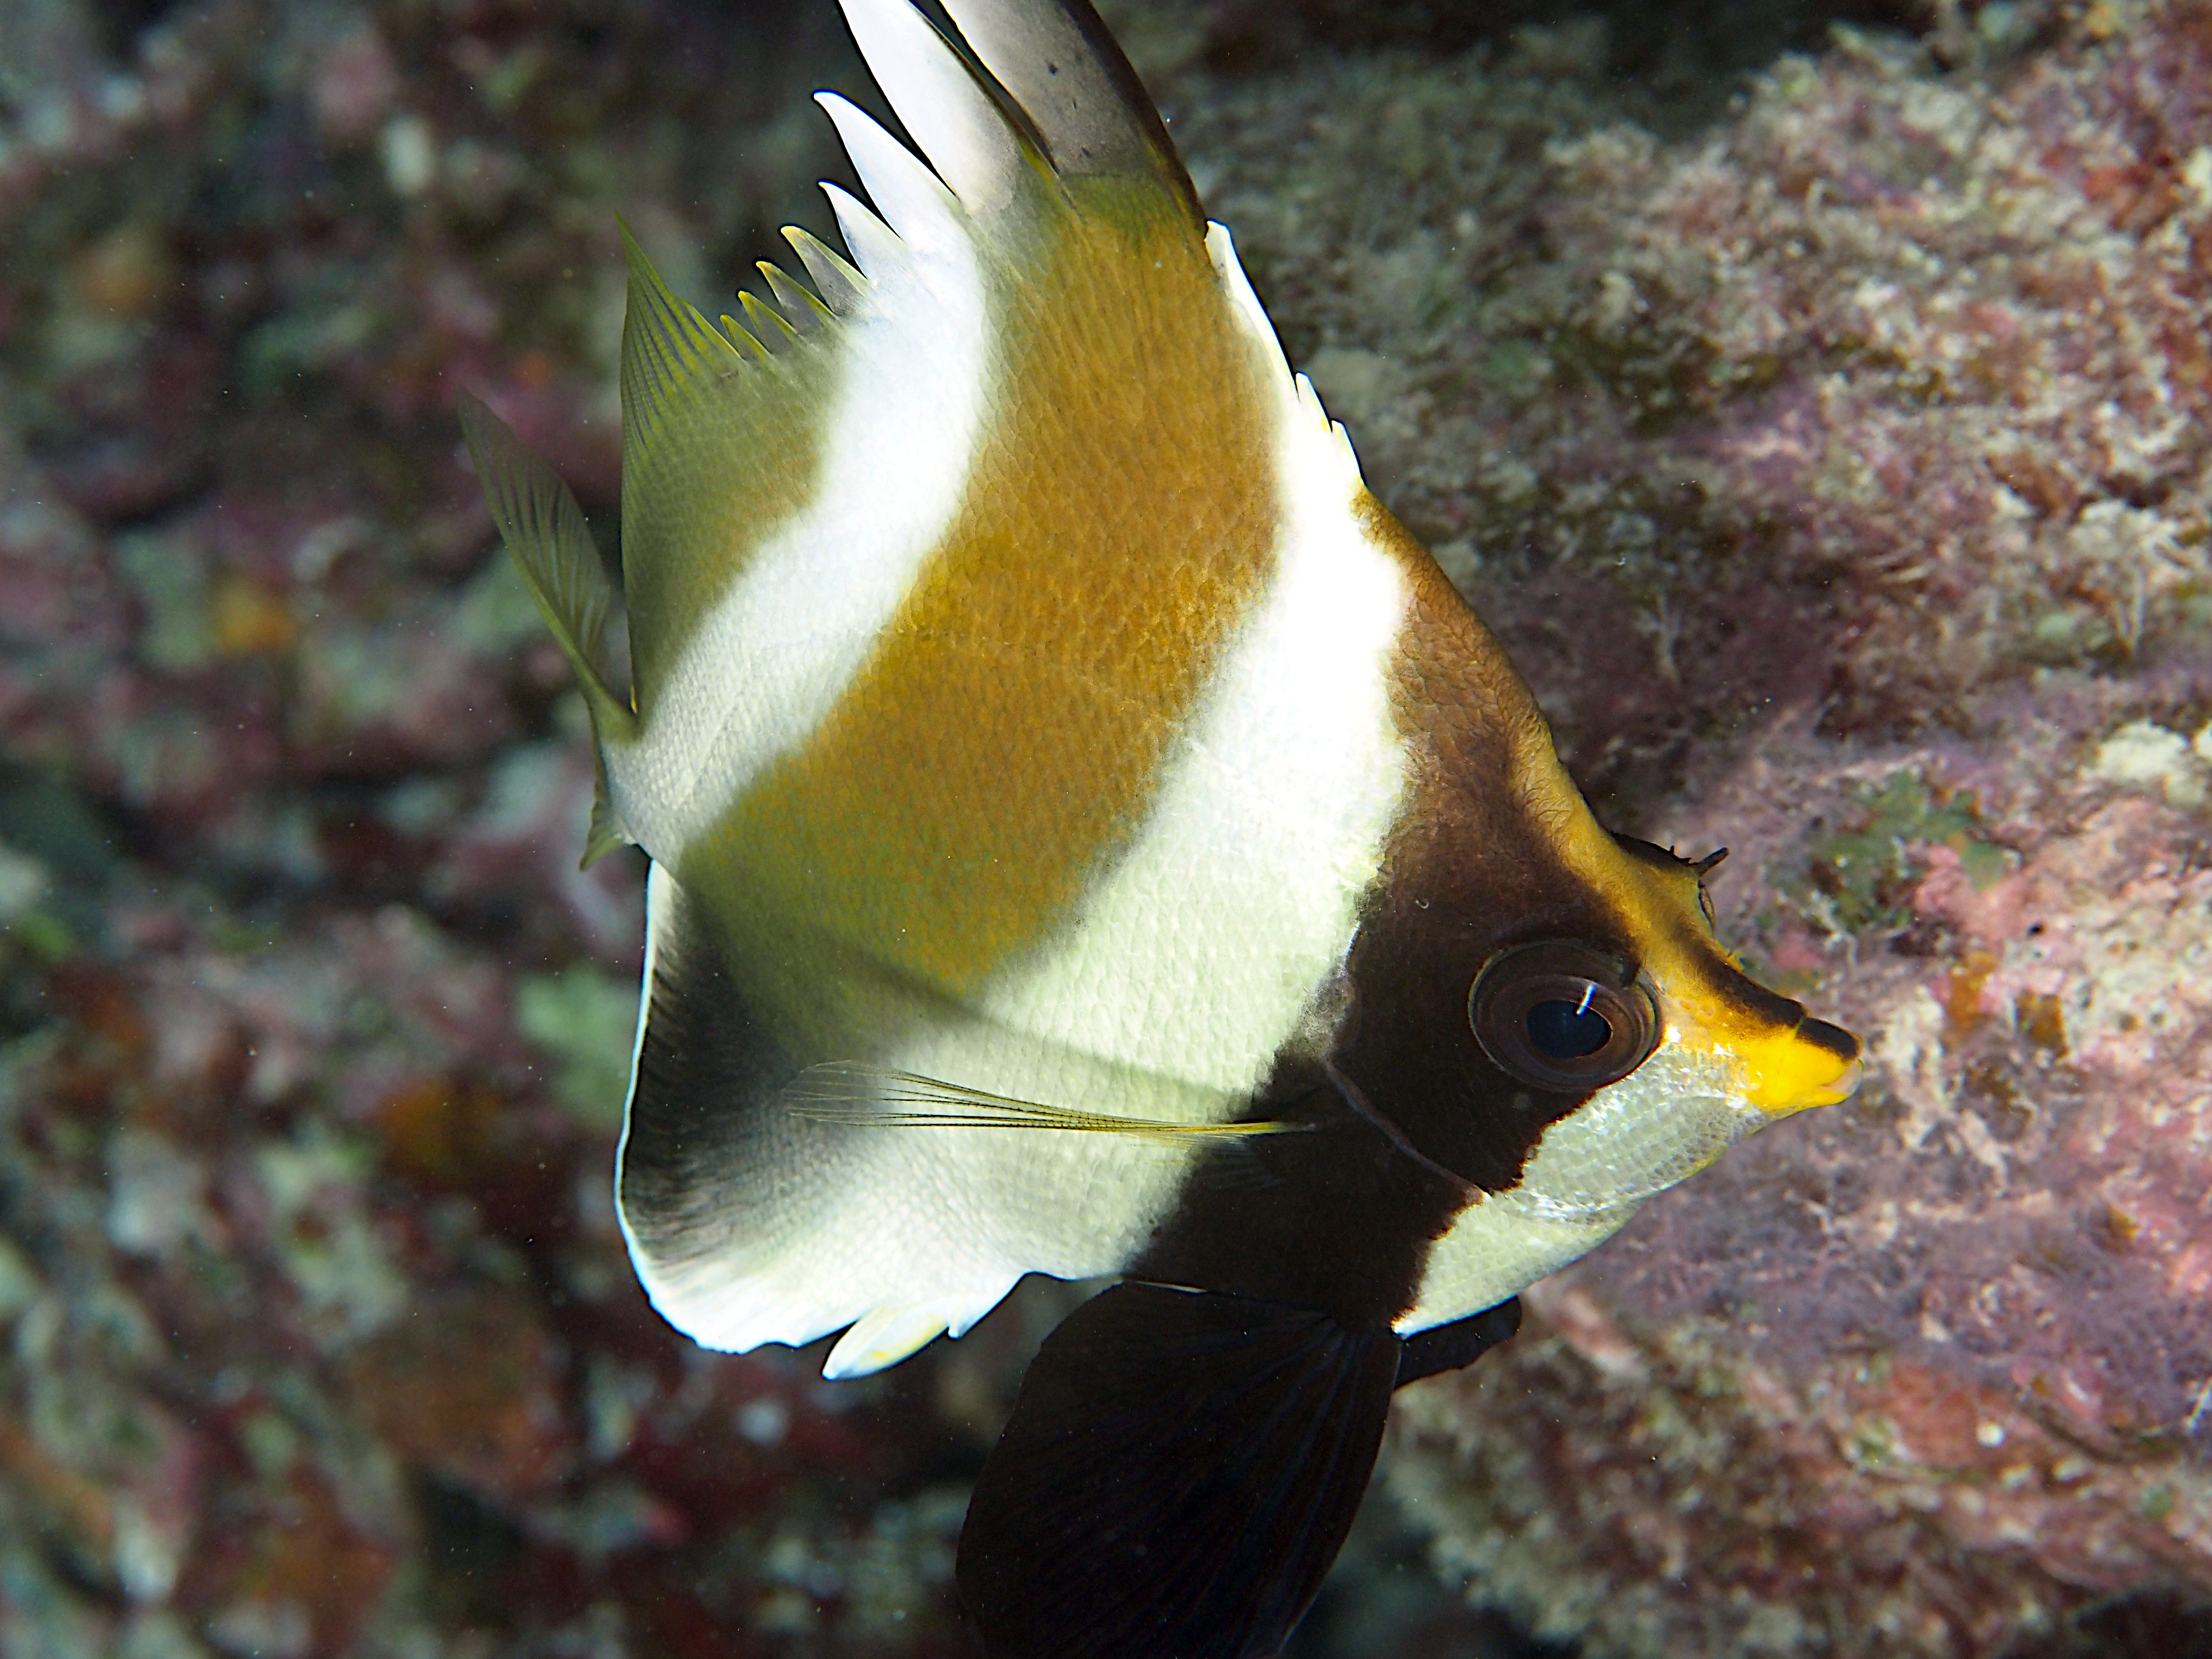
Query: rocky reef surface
[1842,476]
[1817,401]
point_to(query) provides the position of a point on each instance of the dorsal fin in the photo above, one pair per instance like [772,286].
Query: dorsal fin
[720,434]
[1059,64]
[904,195]
[666,344]
[801,311]
[839,283]
[765,323]
[950,114]
[1047,88]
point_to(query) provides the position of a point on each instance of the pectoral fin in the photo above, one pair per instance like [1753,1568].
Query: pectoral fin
[1179,1471]
[874,1097]
[544,530]
[545,535]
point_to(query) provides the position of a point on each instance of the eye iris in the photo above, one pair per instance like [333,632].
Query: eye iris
[1564,1015]
[1567,1031]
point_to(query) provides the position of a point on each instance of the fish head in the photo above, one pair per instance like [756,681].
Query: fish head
[1540,1005]
[1780,1058]
[1543,1009]
[1637,1032]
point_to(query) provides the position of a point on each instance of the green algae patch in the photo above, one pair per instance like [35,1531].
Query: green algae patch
[1861,878]
[585,1020]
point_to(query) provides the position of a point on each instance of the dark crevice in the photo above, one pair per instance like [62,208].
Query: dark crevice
[1689,38]
[121,22]
[2152,1624]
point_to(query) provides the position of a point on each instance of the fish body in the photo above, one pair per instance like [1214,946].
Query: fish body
[1090,837]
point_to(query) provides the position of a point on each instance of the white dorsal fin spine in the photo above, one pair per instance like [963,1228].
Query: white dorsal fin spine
[749,347]
[839,283]
[958,125]
[802,311]
[1246,303]
[876,248]
[912,200]
[1230,270]
[767,325]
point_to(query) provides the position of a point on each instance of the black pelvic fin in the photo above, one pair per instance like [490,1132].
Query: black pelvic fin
[1179,1471]
[1448,1348]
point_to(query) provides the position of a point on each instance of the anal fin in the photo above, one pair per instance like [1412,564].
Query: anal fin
[1179,1473]
[883,1336]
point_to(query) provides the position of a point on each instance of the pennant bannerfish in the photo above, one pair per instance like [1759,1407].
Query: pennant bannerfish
[1090,837]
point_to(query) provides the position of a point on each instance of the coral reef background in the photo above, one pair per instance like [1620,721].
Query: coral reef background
[1817,397]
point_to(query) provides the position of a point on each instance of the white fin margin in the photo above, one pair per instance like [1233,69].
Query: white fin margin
[656,919]
[904,1233]
[885,1335]
[737,1314]
[1238,286]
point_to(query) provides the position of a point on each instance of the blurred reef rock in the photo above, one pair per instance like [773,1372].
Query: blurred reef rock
[1817,397]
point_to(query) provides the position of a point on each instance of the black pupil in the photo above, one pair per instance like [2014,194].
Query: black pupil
[1559,1030]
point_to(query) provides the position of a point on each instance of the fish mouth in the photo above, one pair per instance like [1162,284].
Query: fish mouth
[1812,1064]
[1783,1060]
[1845,1045]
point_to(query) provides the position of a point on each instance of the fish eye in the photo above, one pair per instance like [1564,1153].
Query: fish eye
[1562,1015]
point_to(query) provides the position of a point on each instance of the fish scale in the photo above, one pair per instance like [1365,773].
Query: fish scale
[1089,835]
